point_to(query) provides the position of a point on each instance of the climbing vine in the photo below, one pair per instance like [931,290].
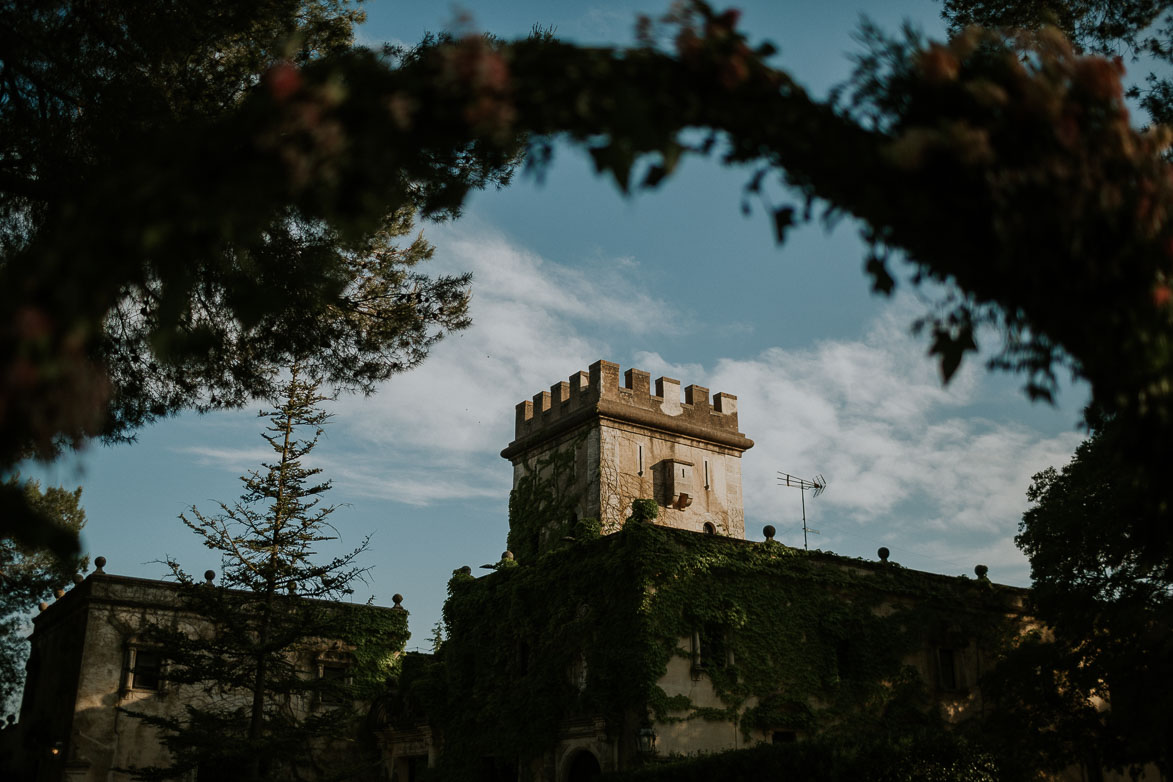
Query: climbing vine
[375,637]
[543,503]
[808,642]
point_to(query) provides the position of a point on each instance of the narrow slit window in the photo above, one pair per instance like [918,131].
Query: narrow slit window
[640,448]
[947,663]
[706,473]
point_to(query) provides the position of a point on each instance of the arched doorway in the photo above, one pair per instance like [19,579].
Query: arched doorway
[583,766]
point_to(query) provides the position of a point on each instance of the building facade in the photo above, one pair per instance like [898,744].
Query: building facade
[632,620]
[93,661]
[600,445]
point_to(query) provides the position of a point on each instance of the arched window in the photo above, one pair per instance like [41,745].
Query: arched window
[710,529]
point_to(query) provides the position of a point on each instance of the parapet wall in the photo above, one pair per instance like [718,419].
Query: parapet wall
[598,392]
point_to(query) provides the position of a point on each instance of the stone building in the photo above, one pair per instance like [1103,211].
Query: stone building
[91,660]
[630,620]
[603,445]
[635,620]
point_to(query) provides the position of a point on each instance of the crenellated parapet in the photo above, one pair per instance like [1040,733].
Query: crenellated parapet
[599,393]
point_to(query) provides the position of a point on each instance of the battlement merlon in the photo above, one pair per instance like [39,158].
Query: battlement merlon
[598,393]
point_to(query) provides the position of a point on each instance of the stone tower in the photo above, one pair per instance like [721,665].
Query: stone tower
[588,447]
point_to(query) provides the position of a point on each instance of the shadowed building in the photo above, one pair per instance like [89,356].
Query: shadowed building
[632,620]
[92,660]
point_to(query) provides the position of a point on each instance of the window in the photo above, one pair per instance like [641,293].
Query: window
[144,668]
[947,667]
[334,677]
[843,659]
[640,450]
[710,529]
[578,671]
[710,648]
[707,473]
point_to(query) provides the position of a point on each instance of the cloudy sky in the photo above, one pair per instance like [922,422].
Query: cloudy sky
[676,282]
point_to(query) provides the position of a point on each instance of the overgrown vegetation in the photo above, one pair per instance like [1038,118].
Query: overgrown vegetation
[28,575]
[935,757]
[808,643]
[542,504]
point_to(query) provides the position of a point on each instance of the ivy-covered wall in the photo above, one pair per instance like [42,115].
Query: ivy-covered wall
[790,641]
[552,491]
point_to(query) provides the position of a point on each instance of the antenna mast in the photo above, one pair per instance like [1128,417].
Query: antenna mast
[818,485]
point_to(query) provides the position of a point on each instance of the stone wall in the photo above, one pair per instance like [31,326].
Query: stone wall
[630,443]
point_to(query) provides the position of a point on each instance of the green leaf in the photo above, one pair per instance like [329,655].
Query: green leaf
[882,281]
[783,220]
[952,347]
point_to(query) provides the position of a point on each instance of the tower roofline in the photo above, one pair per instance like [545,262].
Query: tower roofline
[598,394]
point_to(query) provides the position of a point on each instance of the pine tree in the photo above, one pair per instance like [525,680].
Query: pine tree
[262,672]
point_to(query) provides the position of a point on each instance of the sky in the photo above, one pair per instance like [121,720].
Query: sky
[677,282]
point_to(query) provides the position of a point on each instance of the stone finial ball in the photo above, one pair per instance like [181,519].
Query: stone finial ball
[981,571]
[506,555]
[78,578]
[59,592]
[769,531]
[883,552]
[100,563]
[209,575]
[397,598]
[42,605]
[466,570]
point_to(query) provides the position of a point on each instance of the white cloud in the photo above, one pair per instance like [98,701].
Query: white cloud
[908,463]
[904,460]
[535,322]
[239,460]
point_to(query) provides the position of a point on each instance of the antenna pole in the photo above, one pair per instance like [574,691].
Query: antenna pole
[818,485]
[802,491]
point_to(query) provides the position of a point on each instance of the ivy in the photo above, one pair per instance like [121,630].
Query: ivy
[814,643]
[376,637]
[542,503]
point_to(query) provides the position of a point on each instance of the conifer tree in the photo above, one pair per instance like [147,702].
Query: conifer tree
[258,701]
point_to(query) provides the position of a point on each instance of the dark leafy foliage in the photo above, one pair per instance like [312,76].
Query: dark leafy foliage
[1003,166]
[152,258]
[29,575]
[1138,29]
[932,757]
[1097,684]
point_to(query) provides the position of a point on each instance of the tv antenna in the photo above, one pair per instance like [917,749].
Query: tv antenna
[817,486]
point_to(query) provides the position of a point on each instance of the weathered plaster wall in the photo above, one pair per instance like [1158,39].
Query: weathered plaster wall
[80,680]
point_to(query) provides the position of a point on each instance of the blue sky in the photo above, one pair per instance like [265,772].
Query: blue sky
[676,282]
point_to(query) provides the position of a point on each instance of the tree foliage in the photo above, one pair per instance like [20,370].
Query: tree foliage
[1002,165]
[29,575]
[254,704]
[1138,29]
[1098,683]
[138,277]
